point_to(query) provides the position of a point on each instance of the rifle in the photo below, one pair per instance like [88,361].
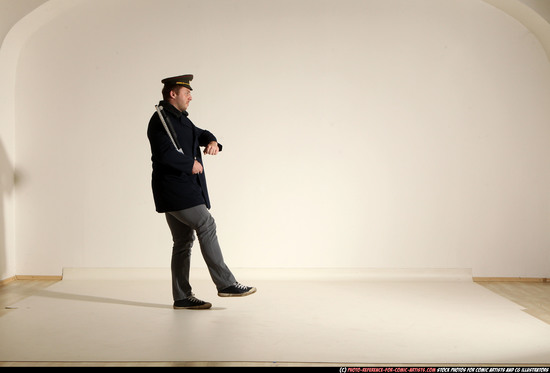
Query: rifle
[169,128]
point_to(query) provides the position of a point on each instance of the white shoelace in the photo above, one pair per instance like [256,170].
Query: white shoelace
[242,287]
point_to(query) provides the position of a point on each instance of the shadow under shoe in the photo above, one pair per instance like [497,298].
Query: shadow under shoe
[191,303]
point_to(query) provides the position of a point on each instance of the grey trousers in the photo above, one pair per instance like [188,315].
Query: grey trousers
[183,225]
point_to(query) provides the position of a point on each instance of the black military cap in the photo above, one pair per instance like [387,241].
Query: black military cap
[183,80]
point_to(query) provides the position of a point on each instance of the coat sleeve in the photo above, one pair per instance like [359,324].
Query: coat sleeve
[163,151]
[205,137]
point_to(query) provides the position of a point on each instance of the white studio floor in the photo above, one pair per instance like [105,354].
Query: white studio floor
[309,316]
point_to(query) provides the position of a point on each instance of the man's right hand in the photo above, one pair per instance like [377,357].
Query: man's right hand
[197,168]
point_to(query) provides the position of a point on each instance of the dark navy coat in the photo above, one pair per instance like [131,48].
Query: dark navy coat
[174,186]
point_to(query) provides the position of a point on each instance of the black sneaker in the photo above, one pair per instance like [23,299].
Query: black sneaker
[191,303]
[236,290]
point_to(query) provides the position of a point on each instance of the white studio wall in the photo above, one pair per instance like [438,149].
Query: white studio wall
[11,13]
[356,133]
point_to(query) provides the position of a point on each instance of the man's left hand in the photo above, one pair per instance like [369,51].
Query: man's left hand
[211,148]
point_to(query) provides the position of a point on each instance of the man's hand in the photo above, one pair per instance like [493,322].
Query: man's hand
[211,148]
[197,168]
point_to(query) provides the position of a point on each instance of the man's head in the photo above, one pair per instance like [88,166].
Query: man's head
[177,91]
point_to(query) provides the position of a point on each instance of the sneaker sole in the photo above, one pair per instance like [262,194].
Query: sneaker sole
[201,307]
[251,291]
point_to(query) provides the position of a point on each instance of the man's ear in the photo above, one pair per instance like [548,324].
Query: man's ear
[173,94]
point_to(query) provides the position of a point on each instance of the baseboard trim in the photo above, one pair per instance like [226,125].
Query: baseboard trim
[475,279]
[30,277]
[511,279]
[7,280]
[43,278]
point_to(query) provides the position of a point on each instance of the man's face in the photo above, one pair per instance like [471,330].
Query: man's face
[181,98]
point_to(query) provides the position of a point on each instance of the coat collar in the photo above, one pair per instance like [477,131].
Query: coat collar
[169,107]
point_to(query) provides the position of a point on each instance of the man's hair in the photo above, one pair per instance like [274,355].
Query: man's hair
[169,88]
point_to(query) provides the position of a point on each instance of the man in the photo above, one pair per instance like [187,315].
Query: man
[180,192]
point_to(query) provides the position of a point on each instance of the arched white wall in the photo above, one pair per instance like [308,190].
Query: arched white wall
[15,27]
[541,7]
[11,12]
[357,134]
[533,14]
